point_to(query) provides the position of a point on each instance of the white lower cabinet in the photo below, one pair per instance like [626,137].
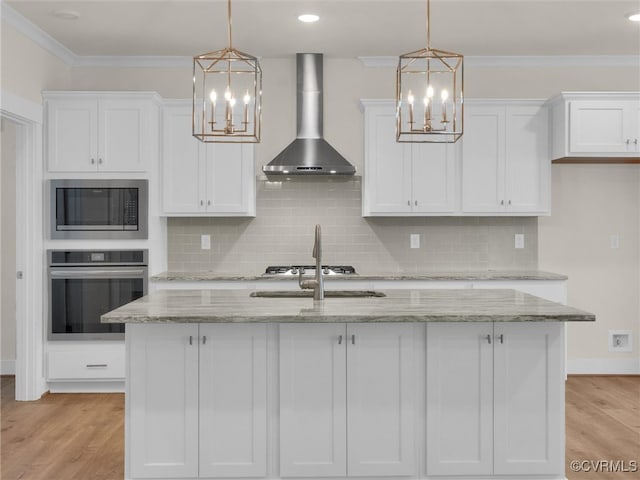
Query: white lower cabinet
[495,399]
[346,400]
[196,401]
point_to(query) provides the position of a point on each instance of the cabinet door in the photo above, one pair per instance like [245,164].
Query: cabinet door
[233,400]
[380,428]
[526,160]
[162,401]
[123,135]
[230,180]
[598,126]
[181,170]
[459,399]
[529,399]
[387,166]
[432,177]
[312,400]
[72,135]
[483,159]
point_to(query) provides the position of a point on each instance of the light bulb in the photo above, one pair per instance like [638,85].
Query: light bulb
[444,95]
[429,91]
[227,94]
[246,98]
[410,98]
[426,101]
[232,101]
[213,96]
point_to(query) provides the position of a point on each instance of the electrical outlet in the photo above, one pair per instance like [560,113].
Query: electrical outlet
[415,240]
[519,240]
[614,241]
[620,341]
[205,242]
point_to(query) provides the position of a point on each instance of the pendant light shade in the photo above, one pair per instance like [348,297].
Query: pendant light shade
[227,95]
[429,95]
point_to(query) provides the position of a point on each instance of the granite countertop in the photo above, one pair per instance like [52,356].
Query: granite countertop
[236,306]
[434,276]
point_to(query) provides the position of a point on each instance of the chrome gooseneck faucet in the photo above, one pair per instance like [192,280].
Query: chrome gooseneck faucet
[317,284]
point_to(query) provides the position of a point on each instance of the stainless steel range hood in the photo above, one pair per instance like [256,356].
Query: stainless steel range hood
[309,153]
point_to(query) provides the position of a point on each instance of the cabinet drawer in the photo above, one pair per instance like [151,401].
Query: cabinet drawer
[84,365]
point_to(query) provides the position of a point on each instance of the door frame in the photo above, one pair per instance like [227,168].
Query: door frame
[30,261]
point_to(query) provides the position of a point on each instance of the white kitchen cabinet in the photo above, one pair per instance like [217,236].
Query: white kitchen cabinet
[313,409]
[505,165]
[203,179]
[327,370]
[495,399]
[403,178]
[196,401]
[592,125]
[100,131]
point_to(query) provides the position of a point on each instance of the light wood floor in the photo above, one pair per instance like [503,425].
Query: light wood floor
[81,436]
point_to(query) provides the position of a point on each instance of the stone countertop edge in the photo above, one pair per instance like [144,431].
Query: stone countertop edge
[434,276]
[236,306]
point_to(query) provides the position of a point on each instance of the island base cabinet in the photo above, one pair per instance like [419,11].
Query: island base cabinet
[495,399]
[346,400]
[196,401]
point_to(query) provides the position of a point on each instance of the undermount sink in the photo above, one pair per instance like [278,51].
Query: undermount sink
[309,293]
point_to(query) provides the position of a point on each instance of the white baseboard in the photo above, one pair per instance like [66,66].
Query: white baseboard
[603,366]
[86,387]
[7,367]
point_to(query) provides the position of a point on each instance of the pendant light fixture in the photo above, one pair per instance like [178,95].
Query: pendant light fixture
[429,94]
[227,95]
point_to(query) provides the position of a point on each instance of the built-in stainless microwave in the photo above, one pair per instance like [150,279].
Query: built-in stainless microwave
[99,209]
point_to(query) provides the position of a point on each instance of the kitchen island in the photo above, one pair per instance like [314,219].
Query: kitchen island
[415,384]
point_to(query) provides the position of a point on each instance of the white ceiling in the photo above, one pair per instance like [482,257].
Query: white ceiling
[347,28]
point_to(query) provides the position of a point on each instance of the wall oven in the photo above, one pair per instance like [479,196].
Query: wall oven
[99,209]
[84,284]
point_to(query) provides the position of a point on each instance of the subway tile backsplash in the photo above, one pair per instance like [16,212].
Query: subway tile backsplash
[287,211]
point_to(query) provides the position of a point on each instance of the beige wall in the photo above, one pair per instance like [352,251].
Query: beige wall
[8,240]
[27,69]
[591,203]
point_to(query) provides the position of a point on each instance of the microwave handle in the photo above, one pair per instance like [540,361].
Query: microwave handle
[97,273]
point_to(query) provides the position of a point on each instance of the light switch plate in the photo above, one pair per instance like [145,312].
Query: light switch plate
[205,242]
[519,240]
[415,240]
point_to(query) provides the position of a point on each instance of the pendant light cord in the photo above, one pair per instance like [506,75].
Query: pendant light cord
[229,22]
[428,31]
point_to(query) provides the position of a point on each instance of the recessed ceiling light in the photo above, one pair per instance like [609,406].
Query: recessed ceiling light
[66,14]
[634,17]
[308,18]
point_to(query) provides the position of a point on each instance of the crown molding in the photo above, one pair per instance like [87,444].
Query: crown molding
[37,35]
[525,61]
[47,42]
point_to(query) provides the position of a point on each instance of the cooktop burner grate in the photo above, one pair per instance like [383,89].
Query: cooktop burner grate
[310,269]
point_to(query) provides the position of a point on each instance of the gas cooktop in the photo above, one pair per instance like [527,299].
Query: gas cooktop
[310,270]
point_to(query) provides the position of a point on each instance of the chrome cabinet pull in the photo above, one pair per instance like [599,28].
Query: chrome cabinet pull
[501,338]
[416,203]
[340,340]
[201,203]
[100,161]
[628,141]
[509,202]
[93,161]
[190,339]
[488,337]
[635,141]
[97,365]
[209,202]
[353,339]
[409,203]
[204,339]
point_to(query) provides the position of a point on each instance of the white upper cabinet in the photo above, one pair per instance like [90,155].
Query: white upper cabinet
[505,165]
[592,125]
[213,179]
[499,167]
[100,132]
[403,178]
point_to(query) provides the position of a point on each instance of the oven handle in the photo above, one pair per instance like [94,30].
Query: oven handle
[97,273]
